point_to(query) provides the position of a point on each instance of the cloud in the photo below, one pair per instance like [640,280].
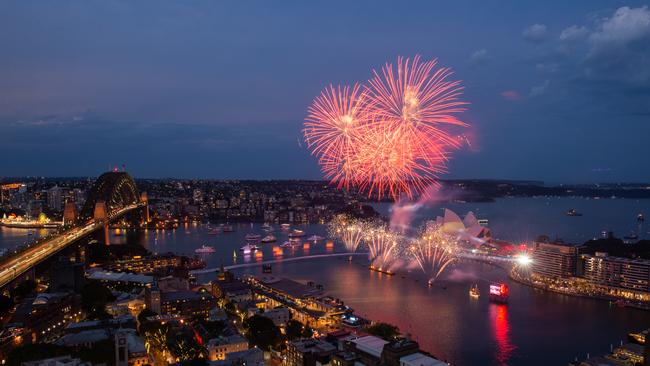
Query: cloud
[510,95]
[538,90]
[626,25]
[479,57]
[535,33]
[574,33]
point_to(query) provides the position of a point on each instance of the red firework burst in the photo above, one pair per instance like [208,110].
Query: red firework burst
[332,130]
[391,137]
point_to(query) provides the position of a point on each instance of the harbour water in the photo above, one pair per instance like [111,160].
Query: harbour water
[535,328]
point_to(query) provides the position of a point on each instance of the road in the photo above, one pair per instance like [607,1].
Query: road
[16,266]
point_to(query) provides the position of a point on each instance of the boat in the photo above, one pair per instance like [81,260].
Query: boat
[248,248]
[315,238]
[253,237]
[269,239]
[267,227]
[227,228]
[285,226]
[573,212]
[287,244]
[640,218]
[499,292]
[296,234]
[204,249]
[214,232]
[474,292]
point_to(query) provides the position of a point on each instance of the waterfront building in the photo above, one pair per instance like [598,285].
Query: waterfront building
[112,279]
[624,273]
[219,348]
[420,359]
[306,302]
[154,263]
[555,260]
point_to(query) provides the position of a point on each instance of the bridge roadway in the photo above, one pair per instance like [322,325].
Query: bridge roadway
[19,265]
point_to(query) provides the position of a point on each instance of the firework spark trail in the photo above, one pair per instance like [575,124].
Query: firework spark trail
[348,230]
[382,247]
[434,251]
[332,129]
[389,137]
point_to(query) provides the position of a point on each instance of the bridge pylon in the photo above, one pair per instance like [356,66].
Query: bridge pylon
[100,215]
[70,213]
[145,200]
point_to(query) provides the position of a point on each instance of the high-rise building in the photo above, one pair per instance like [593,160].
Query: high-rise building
[555,259]
[54,198]
[602,269]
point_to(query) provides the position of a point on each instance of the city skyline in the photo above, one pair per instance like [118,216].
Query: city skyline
[557,93]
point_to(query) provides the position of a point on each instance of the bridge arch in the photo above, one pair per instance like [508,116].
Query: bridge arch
[115,189]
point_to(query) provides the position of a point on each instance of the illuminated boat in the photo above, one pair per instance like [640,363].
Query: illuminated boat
[380,270]
[214,232]
[315,238]
[248,248]
[640,218]
[269,239]
[474,292]
[253,237]
[499,292]
[227,228]
[296,234]
[285,226]
[573,212]
[204,249]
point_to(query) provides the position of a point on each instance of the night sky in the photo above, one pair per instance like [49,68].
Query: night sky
[559,91]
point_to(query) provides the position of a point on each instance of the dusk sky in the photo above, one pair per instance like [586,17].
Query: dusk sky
[559,91]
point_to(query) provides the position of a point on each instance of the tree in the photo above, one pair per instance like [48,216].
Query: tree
[262,333]
[94,297]
[296,330]
[6,304]
[384,330]
[23,289]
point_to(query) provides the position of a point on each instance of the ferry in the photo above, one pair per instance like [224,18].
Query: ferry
[269,239]
[253,237]
[285,226]
[315,238]
[474,292]
[227,228]
[267,227]
[214,232]
[204,249]
[380,270]
[499,292]
[296,234]
[287,244]
[248,248]
[573,212]
[640,218]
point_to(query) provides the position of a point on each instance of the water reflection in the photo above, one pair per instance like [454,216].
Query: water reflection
[498,314]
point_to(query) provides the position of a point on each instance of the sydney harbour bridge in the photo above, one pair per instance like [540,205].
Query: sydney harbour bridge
[114,196]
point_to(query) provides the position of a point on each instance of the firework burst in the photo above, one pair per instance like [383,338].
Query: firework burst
[389,137]
[434,250]
[348,230]
[332,129]
[383,247]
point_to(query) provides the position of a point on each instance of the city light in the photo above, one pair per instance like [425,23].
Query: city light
[524,260]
